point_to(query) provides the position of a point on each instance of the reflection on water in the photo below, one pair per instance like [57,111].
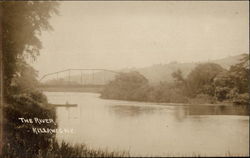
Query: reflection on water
[130,111]
[217,110]
[152,129]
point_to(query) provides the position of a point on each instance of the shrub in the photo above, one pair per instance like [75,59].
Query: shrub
[20,141]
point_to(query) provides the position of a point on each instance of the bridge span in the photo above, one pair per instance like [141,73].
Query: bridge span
[77,80]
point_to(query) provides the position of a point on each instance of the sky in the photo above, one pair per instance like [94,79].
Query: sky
[115,34]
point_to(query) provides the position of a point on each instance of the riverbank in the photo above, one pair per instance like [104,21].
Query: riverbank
[174,104]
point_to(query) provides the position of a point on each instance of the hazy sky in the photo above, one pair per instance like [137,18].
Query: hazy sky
[114,35]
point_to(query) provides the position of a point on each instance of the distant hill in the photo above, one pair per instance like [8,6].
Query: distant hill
[163,72]
[229,61]
[156,73]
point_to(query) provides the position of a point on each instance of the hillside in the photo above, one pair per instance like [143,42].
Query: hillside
[162,72]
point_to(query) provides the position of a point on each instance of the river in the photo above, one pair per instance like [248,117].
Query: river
[150,129]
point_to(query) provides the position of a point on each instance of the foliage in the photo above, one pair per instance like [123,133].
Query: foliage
[134,86]
[200,79]
[19,136]
[239,74]
[166,92]
[25,81]
[201,99]
[125,86]
[206,83]
[22,23]
[234,84]
[68,150]
[177,75]
[242,99]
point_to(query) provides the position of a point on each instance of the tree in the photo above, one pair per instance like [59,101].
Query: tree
[22,24]
[239,74]
[200,80]
[223,86]
[125,86]
[234,84]
[177,75]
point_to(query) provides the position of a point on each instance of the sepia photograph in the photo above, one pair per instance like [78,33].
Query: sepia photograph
[124,78]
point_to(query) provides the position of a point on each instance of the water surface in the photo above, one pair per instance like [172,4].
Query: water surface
[150,129]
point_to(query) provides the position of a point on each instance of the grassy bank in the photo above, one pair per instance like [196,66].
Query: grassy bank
[65,150]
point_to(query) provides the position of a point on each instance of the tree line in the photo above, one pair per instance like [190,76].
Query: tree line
[206,83]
